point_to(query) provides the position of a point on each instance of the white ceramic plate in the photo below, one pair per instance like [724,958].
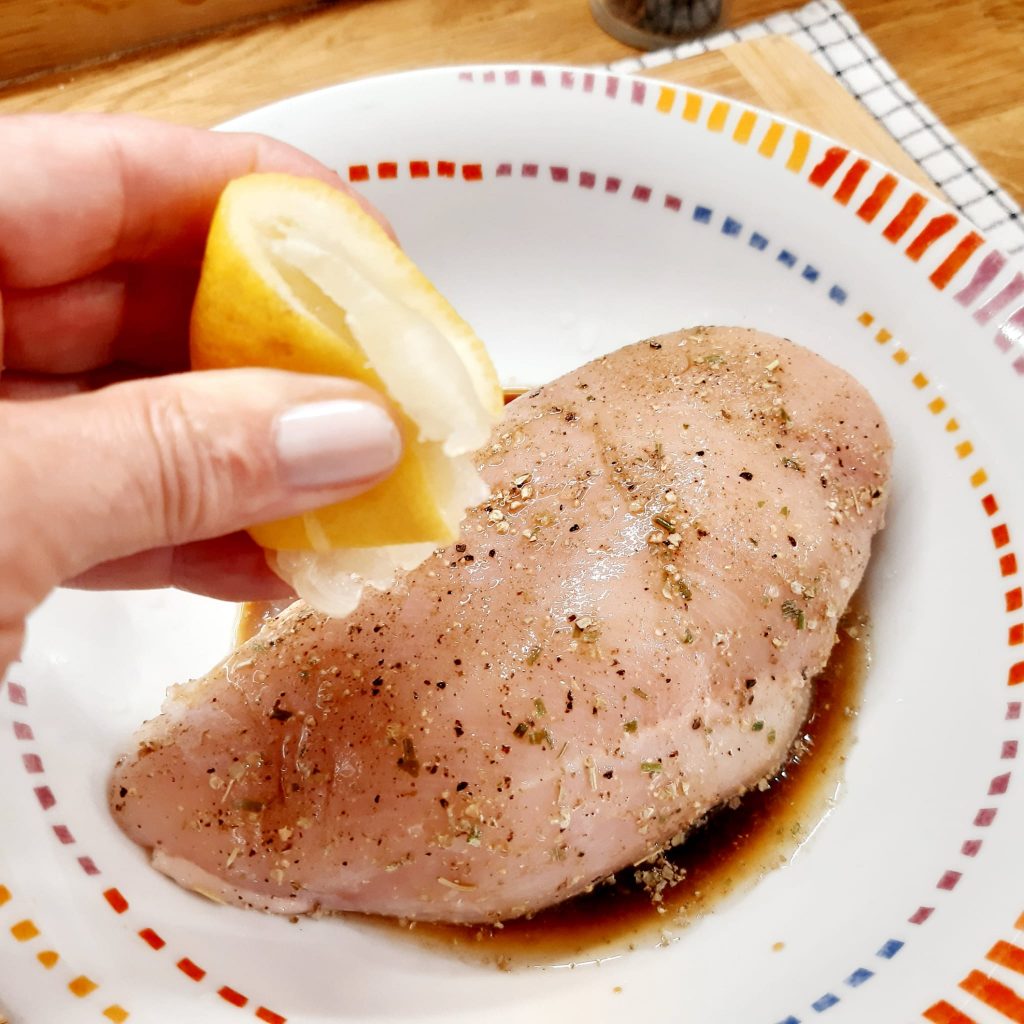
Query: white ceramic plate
[566,213]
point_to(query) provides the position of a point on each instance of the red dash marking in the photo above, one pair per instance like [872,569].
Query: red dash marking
[23,731]
[587,179]
[1006,954]
[16,694]
[1017,634]
[193,971]
[419,168]
[948,880]
[639,92]
[673,203]
[1016,674]
[63,833]
[45,797]
[359,172]
[641,193]
[611,88]
[989,504]
[33,763]
[1014,599]
[1001,535]
[446,168]
[900,224]
[985,817]
[995,994]
[588,82]
[504,170]
[88,865]
[850,182]
[229,995]
[943,1013]
[879,197]
[1013,711]
[1008,752]
[151,938]
[921,915]
[387,169]
[971,848]
[116,900]
[568,78]
[933,230]
[560,174]
[537,78]
[269,1016]
[529,170]
[956,259]
[999,785]
[472,172]
[830,162]
[1008,564]
[511,77]
[612,184]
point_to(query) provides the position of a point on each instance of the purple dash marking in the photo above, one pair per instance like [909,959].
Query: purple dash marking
[921,915]
[999,785]
[983,277]
[466,76]
[985,817]
[511,77]
[611,87]
[639,91]
[673,203]
[828,1000]
[1013,711]
[537,78]
[489,77]
[45,797]
[88,865]
[758,241]
[63,833]
[588,82]
[560,174]
[529,170]
[731,227]
[971,847]
[702,214]
[810,273]
[568,79]
[858,977]
[949,880]
[1009,750]
[837,294]
[23,731]
[1018,364]
[1001,299]
[588,179]
[786,257]
[890,949]
[641,193]
[612,185]
[1011,331]
[504,170]
[16,694]
[33,763]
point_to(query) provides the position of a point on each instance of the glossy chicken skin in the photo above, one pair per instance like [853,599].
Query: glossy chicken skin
[624,637]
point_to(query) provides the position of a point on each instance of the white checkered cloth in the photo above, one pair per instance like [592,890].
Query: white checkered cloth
[827,31]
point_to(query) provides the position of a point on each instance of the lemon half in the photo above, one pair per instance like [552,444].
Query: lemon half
[298,276]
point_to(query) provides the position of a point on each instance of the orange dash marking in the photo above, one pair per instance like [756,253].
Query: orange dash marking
[691,108]
[116,900]
[879,197]
[995,994]
[1019,924]
[5,895]
[901,355]
[828,165]
[745,127]
[666,99]
[952,425]
[798,154]
[936,405]
[25,930]
[979,477]
[118,1014]
[771,139]
[229,995]
[919,380]
[943,1013]
[716,119]
[48,958]
[866,319]
[963,449]
[900,224]
[82,986]
[850,182]
[933,230]
[965,248]
[1006,954]
[883,336]
[192,970]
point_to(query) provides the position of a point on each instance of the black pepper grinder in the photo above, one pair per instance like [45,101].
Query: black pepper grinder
[653,24]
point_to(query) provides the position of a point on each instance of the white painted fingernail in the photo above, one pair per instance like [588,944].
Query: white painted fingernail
[326,444]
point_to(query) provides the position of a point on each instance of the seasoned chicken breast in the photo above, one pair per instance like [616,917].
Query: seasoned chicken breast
[624,637]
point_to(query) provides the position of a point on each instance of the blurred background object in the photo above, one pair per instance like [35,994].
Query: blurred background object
[651,24]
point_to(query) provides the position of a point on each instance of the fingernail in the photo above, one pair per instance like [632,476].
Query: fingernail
[327,444]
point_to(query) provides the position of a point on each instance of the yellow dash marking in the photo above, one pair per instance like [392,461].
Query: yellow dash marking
[82,986]
[770,140]
[963,449]
[979,477]
[900,356]
[716,119]
[118,1014]
[919,380]
[883,336]
[866,319]
[48,958]
[936,405]
[691,108]
[24,930]
[5,894]
[952,426]
[798,155]
[666,99]
[745,127]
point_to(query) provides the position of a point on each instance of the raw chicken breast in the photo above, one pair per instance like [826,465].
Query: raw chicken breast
[624,637]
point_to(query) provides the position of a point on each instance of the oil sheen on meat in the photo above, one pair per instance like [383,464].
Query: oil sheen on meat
[624,637]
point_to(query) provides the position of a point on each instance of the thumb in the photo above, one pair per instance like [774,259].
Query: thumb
[168,460]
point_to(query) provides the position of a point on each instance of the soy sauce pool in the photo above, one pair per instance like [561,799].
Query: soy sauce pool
[726,856]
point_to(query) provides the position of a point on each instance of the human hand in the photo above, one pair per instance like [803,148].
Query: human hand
[145,482]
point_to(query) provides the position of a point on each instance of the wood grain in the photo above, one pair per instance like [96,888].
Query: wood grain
[964,57]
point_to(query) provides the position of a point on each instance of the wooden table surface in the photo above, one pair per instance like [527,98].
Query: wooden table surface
[965,58]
